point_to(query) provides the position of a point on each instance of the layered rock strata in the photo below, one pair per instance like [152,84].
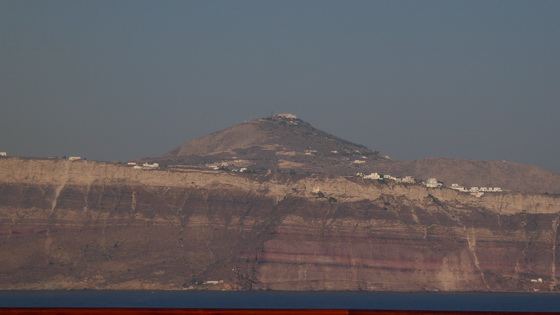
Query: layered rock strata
[82,224]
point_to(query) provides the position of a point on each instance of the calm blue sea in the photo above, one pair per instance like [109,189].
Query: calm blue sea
[538,302]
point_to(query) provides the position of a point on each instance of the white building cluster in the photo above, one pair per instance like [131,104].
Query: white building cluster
[225,167]
[476,191]
[145,166]
[370,176]
[377,176]
[3,154]
[432,183]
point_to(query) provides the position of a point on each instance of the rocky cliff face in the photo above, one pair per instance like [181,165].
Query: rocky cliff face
[81,224]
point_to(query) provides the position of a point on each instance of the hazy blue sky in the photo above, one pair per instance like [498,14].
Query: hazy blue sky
[118,80]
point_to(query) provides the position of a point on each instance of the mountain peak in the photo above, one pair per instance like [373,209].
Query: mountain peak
[285,132]
[281,141]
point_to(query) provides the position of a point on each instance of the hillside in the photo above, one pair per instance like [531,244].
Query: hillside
[508,175]
[285,143]
[280,133]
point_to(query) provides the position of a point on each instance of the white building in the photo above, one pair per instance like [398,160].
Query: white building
[372,176]
[75,158]
[408,179]
[3,154]
[288,116]
[432,183]
[153,165]
[458,187]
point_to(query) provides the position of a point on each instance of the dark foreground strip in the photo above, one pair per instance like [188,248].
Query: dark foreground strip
[134,311]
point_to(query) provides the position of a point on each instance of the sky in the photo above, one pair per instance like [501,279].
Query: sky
[119,80]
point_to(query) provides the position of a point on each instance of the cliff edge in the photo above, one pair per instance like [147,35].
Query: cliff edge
[83,224]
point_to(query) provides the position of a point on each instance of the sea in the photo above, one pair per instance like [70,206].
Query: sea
[509,302]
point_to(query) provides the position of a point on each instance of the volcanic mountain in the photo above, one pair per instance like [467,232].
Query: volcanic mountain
[285,143]
[282,132]
[281,142]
